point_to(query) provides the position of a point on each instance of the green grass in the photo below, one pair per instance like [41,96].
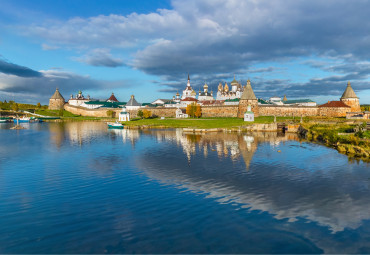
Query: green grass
[203,123]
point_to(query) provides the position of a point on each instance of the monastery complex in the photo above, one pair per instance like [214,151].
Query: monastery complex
[229,101]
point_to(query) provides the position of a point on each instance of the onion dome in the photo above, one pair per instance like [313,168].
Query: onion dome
[193,93]
[234,81]
[220,88]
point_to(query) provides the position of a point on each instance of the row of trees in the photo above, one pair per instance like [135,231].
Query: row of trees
[12,105]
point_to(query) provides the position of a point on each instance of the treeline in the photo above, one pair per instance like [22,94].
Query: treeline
[365,107]
[12,105]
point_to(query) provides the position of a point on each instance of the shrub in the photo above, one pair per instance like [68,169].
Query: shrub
[147,114]
[140,113]
[110,113]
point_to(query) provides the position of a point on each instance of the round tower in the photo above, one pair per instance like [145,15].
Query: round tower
[248,98]
[56,102]
[349,98]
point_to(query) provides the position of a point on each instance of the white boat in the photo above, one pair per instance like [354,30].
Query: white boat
[115,125]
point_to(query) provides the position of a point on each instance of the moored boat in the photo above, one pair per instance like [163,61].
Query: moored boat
[115,125]
[25,120]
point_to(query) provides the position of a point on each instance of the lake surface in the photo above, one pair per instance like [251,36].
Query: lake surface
[80,188]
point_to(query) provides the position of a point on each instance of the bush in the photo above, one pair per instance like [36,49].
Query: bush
[140,113]
[147,114]
[110,113]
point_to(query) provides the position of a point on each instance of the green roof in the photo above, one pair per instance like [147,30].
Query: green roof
[233,100]
[298,101]
[261,101]
[107,104]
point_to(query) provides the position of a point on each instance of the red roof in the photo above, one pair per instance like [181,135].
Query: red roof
[190,99]
[334,104]
[112,98]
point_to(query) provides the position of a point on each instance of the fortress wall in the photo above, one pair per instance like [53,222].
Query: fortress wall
[169,112]
[333,111]
[91,113]
[220,111]
[267,110]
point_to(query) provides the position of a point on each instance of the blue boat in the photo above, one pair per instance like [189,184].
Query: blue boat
[26,120]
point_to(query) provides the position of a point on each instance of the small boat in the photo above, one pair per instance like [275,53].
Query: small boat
[3,121]
[26,120]
[115,125]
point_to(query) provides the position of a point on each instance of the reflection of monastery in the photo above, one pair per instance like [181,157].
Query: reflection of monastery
[229,101]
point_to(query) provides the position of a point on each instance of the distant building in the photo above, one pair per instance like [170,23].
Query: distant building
[181,113]
[349,98]
[112,98]
[160,101]
[132,104]
[188,100]
[299,102]
[275,100]
[224,93]
[78,100]
[188,91]
[205,95]
[56,101]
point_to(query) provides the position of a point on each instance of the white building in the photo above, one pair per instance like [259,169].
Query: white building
[205,95]
[275,100]
[124,115]
[224,93]
[249,115]
[78,100]
[188,91]
[160,101]
[188,100]
[181,113]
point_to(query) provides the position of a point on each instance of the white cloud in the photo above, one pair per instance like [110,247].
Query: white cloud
[100,57]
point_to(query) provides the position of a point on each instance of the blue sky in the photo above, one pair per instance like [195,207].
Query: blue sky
[302,49]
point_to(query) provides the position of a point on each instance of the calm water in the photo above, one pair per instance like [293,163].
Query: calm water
[80,188]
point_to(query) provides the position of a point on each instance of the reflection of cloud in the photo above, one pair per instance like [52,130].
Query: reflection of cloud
[284,184]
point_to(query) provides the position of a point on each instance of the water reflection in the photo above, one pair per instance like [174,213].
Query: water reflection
[134,180]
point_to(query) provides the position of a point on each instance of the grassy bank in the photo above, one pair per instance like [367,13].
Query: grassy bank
[342,137]
[203,123]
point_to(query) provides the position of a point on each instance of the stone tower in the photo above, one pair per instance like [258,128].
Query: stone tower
[349,98]
[248,98]
[56,102]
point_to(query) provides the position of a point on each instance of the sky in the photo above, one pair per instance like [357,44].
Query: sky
[301,49]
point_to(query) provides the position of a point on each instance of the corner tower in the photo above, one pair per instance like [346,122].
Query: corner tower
[349,98]
[56,102]
[248,98]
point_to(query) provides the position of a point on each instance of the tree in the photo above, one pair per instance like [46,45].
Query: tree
[198,111]
[140,114]
[191,110]
[38,105]
[147,114]
[15,107]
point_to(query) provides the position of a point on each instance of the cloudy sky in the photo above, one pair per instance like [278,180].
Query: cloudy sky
[302,49]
